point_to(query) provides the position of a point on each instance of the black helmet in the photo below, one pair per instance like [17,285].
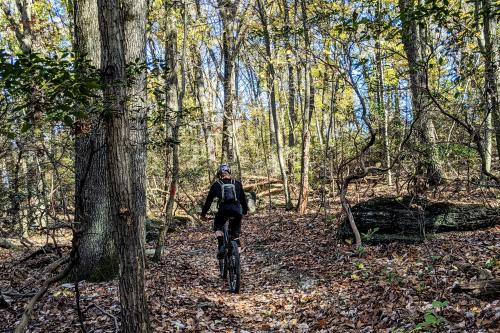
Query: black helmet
[223,168]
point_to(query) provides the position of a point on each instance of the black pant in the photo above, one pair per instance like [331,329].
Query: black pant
[226,211]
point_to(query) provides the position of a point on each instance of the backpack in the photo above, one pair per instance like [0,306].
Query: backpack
[228,192]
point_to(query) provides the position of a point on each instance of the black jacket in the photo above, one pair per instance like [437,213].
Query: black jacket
[216,191]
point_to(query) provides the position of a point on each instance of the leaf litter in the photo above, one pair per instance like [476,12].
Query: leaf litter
[296,277]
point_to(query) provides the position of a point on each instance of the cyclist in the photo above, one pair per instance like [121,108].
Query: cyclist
[232,203]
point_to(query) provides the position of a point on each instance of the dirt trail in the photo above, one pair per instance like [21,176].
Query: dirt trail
[273,292]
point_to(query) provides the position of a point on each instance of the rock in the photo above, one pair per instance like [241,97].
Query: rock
[153,226]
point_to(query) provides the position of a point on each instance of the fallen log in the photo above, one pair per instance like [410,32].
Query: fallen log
[46,249]
[255,186]
[265,193]
[3,303]
[6,244]
[485,289]
[387,219]
[254,177]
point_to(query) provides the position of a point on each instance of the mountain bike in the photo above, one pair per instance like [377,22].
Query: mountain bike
[229,265]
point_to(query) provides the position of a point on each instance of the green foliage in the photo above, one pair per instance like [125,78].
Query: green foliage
[431,317]
[368,236]
[360,251]
[36,88]
[490,263]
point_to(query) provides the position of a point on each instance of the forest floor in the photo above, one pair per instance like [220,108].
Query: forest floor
[296,277]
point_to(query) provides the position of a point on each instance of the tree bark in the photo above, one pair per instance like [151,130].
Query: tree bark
[381,100]
[488,145]
[306,119]
[292,115]
[122,30]
[490,25]
[22,29]
[227,12]
[135,21]
[98,260]
[413,37]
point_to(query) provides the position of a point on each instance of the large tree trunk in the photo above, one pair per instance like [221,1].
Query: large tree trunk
[413,37]
[272,101]
[408,220]
[135,12]
[120,40]
[97,256]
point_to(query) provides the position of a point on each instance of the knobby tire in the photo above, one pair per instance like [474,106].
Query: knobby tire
[234,268]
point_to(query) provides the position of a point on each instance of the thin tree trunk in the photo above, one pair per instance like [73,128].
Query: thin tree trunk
[272,101]
[292,116]
[24,35]
[28,143]
[381,101]
[236,150]
[227,12]
[43,218]
[234,122]
[306,120]
[488,143]
[174,101]
[201,93]
[15,204]
[119,40]
[490,25]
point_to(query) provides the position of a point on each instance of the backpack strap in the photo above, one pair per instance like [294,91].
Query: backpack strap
[233,182]
[221,184]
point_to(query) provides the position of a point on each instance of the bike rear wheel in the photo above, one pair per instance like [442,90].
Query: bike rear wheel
[222,268]
[234,268]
